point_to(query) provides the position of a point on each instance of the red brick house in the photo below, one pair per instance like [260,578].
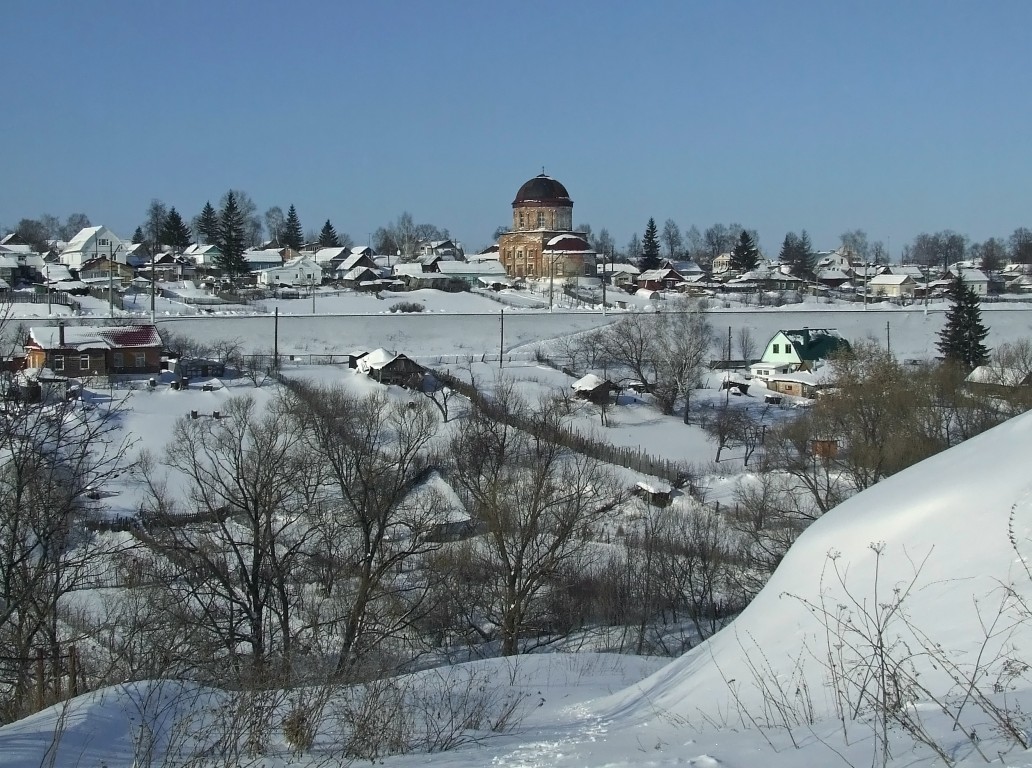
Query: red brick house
[84,350]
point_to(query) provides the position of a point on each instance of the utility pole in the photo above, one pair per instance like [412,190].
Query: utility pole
[501,335]
[603,283]
[275,340]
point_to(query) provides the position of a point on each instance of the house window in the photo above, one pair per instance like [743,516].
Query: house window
[58,362]
[102,241]
[119,361]
[141,360]
[777,348]
[84,362]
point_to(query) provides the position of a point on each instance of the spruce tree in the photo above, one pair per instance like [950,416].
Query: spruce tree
[789,255]
[232,236]
[174,232]
[745,255]
[328,237]
[292,235]
[960,340]
[650,247]
[138,236]
[207,226]
[807,257]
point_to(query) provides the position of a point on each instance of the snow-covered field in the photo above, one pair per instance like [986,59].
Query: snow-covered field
[946,541]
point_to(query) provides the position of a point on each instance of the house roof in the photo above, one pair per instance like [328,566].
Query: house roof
[994,374]
[329,254]
[377,359]
[590,383]
[465,268]
[886,279]
[92,337]
[815,343]
[659,274]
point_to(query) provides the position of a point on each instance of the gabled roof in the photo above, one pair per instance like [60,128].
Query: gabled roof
[660,274]
[377,359]
[886,279]
[329,254]
[590,383]
[92,337]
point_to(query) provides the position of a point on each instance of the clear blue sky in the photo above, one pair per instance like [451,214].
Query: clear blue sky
[893,117]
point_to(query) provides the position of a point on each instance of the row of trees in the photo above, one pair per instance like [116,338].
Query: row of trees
[926,249]
[39,233]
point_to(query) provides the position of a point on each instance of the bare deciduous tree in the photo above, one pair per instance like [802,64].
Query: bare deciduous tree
[538,502]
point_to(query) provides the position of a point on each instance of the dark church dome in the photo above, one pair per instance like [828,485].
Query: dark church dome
[542,190]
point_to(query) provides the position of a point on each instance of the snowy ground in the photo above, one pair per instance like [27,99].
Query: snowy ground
[944,526]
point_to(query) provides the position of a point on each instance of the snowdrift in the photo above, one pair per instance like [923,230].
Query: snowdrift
[943,528]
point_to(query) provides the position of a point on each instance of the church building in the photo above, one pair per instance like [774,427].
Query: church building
[542,242]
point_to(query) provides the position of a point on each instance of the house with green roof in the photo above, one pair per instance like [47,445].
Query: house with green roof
[797,350]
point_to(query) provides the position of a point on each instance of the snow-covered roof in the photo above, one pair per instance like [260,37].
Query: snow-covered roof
[659,274]
[465,268]
[995,374]
[588,383]
[377,359]
[409,269]
[328,254]
[92,337]
[885,279]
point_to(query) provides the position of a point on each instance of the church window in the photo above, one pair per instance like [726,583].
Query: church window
[541,219]
[521,219]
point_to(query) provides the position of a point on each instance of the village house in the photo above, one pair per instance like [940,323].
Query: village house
[659,279]
[299,272]
[389,367]
[594,389]
[471,274]
[92,243]
[797,350]
[446,249]
[83,350]
[103,269]
[257,260]
[891,286]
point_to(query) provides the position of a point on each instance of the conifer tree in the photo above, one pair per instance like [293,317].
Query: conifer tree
[328,237]
[650,247]
[232,235]
[174,232]
[292,235]
[807,258]
[138,236]
[207,226]
[960,340]
[745,255]
[789,255]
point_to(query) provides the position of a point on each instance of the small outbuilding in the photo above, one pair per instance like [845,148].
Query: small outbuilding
[594,388]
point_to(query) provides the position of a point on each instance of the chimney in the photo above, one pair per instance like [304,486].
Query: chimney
[60,335]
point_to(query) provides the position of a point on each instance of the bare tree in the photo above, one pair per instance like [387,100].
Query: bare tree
[53,458]
[368,519]
[538,502]
[746,343]
[251,483]
[671,238]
